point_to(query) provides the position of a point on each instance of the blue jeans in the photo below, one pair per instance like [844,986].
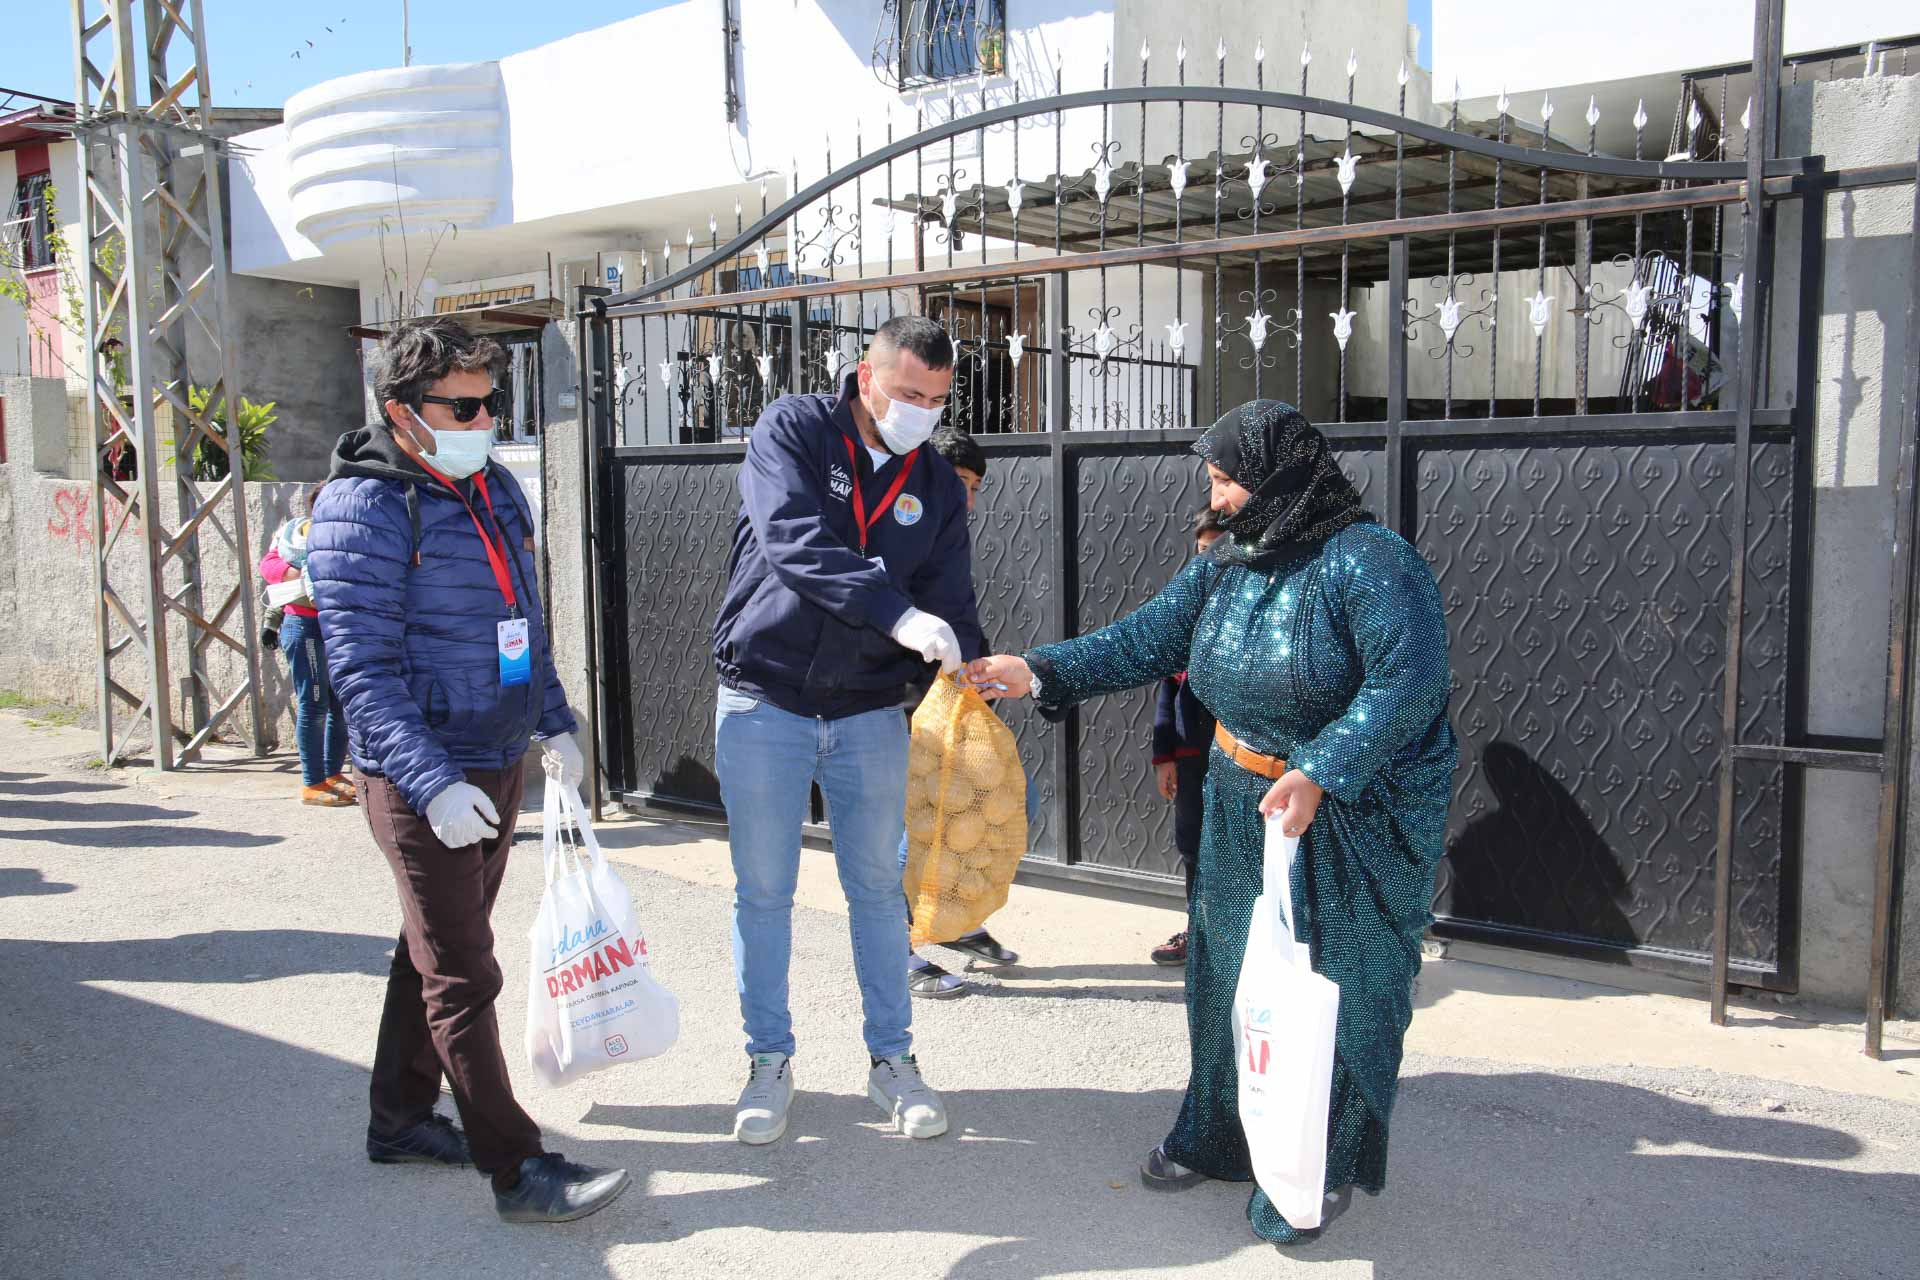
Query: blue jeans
[319,723]
[768,761]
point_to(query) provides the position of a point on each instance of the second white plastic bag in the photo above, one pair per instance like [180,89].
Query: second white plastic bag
[1285,1017]
[592,999]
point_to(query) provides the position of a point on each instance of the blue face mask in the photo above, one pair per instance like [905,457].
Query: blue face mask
[456,454]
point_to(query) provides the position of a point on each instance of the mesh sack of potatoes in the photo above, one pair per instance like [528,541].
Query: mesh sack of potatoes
[966,814]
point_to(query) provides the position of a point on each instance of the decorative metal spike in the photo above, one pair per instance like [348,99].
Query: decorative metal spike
[1104,342]
[1736,292]
[1593,112]
[1103,180]
[1177,338]
[1180,54]
[1504,102]
[1694,118]
[666,374]
[1746,117]
[1220,50]
[1306,54]
[1016,196]
[764,363]
[1640,116]
[1449,317]
[1177,178]
[1353,63]
[1546,109]
[713,224]
[1257,328]
[1342,326]
[716,365]
[666,253]
[1146,51]
[761,260]
[836,361]
[1260,51]
[1539,312]
[1402,77]
[1344,166]
[1257,176]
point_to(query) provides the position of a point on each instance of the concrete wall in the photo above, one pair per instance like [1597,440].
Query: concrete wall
[1859,422]
[48,648]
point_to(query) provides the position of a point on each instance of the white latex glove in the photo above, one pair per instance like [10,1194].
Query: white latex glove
[561,759]
[460,816]
[929,637]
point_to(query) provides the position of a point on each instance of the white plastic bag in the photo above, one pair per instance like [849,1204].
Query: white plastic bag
[592,999]
[1284,1019]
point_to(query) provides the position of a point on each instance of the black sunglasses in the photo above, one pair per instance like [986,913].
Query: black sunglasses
[467,408]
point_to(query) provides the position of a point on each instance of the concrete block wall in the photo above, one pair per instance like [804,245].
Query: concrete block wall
[47,595]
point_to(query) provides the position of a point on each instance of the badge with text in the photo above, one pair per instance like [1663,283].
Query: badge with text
[908,509]
[516,658]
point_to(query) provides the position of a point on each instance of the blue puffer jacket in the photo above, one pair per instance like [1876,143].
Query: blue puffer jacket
[411,639]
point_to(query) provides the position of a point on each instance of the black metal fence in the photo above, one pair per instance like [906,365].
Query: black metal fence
[1537,360]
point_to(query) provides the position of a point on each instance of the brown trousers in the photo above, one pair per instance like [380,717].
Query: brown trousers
[440,992]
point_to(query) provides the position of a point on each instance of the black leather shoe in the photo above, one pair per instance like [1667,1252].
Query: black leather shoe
[1160,1173]
[434,1140]
[551,1189]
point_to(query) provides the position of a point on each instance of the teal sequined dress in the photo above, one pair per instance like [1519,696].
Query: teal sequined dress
[1337,661]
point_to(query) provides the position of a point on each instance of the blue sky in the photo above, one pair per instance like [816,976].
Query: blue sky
[253,58]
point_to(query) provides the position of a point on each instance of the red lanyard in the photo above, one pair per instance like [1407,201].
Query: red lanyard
[860,517]
[496,557]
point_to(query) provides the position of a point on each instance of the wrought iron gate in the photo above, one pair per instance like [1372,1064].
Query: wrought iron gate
[1536,359]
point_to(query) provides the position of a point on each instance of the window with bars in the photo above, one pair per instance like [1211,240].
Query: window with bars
[950,39]
[29,223]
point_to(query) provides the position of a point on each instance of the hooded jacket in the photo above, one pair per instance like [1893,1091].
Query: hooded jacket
[409,608]
[806,618]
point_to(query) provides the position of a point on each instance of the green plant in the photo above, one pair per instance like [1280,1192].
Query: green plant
[210,461]
[12,701]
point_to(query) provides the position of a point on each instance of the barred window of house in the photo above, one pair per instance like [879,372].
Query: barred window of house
[29,223]
[949,39]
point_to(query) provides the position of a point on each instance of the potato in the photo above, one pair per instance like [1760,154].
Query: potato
[965,831]
[983,768]
[1001,804]
[920,822]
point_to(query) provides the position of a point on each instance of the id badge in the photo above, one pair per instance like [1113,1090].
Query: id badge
[516,659]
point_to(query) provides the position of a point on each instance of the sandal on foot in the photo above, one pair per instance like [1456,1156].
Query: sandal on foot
[931,982]
[984,950]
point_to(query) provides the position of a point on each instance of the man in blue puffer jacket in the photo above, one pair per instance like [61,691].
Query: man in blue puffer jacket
[419,561]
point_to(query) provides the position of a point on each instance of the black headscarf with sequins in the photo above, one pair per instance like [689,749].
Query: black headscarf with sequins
[1300,495]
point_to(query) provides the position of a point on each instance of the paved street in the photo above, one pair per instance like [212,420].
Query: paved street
[192,974]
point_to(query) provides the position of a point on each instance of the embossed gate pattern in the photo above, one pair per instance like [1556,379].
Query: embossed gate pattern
[1585,590]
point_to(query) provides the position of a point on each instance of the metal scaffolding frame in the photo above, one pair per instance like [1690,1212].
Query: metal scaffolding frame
[151,205]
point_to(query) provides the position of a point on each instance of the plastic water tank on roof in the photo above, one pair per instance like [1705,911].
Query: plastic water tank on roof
[419,146]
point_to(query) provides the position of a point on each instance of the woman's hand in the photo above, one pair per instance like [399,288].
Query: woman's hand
[1001,668]
[1297,798]
[1167,777]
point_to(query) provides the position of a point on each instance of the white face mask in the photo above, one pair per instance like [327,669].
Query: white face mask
[906,426]
[456,454]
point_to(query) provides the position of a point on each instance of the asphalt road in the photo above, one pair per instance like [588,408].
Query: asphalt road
[189,989]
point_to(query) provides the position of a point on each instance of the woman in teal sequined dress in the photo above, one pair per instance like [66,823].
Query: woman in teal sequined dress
[1315,636]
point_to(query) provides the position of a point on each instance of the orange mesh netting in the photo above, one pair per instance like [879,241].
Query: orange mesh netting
[966,814]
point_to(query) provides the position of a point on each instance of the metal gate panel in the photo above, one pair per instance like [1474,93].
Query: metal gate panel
[1585,590]
[678,528]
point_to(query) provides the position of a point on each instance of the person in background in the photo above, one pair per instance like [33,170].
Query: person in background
[319,723]
[420,560]
[1182,738]
[850,576]
[926,979]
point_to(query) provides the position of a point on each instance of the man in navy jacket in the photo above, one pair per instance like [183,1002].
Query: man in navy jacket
[419,558]
[851,574]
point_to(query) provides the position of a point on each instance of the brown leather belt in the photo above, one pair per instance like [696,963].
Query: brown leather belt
[1252,761]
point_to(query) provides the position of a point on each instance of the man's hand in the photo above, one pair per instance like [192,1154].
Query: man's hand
[560,758]
[1167,775]
[1297,798]
[930,637]
[460,816]
[1001,668]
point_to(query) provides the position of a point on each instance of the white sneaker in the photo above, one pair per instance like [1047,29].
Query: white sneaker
[896,1088]
[761,1115]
